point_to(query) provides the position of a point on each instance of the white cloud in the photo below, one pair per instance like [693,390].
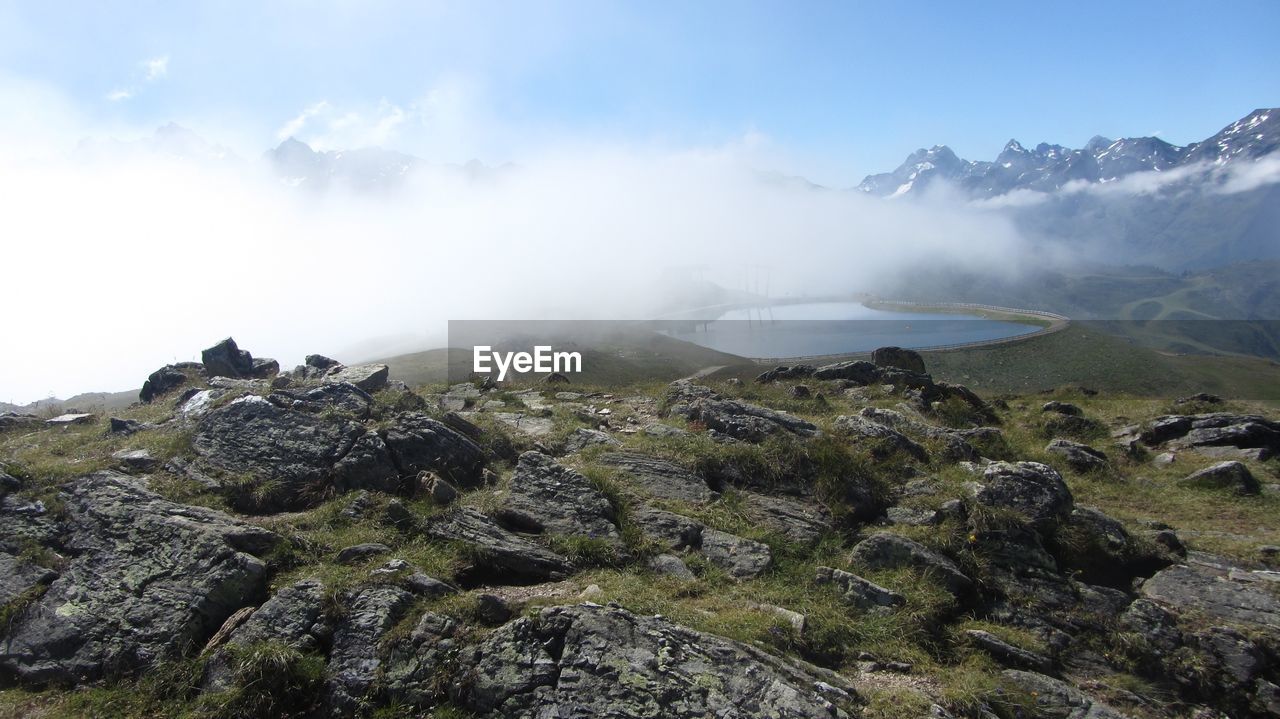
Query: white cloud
[119,95]
[155,68]
[295,125]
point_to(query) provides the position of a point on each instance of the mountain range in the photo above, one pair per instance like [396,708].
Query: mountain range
[1046,167]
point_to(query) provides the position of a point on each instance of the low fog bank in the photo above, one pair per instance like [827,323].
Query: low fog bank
[126,260]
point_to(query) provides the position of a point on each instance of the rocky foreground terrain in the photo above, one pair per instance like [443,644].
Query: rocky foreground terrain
[839,541]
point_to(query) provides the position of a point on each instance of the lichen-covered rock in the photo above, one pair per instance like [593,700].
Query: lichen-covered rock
[409,675]
[673,531]
[354,660]
[1035,490]
[147,580]
[498,555]
[659,477]
[168,378]
[297,453]
[547,497]
[589,661]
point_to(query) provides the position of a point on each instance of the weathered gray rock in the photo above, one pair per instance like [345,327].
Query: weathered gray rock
[583,438]
[1102,551]
[1080,457]
[354,659]
[368,377]
[410,674]
[146,580]
[956,446]
[673,531]
[742,558]
[736,419]
[499,555]
[168,378]
[70,418]
[802,522]
[1188,588]
[134,460]
[298,452]
[341,397]
[361,552]
[18,420]
[293,616]
[419,443]
[859,592]
[1008,654]
[860,372]
[1225,475]
[658,477]
[20,578]
[785,372]
[547,497]
[125,427]
[1033,489]
[886,439]
[912,516]
[671,565]
[890,551]
[589,661]
[1216,429]
[1055,699]
[225,359]
[899,358]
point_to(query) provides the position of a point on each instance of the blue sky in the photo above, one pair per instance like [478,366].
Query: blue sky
[831,90]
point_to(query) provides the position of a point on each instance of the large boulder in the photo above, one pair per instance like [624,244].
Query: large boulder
[420,443]
[590,661]
[298,455]
[659,477]
[498,556]
[1217,430]
[898,358]
[1199,590]
[147,580]
[168,378]
[225,359]
[1225,475]
[546,497]
[318,368]
[1034,490]
[890,551]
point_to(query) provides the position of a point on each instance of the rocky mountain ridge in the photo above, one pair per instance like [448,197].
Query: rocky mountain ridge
[854,539]
[1047,167]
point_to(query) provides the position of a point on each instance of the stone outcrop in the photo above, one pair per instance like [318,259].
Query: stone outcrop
[546,497]
[592,661]
[147,580]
